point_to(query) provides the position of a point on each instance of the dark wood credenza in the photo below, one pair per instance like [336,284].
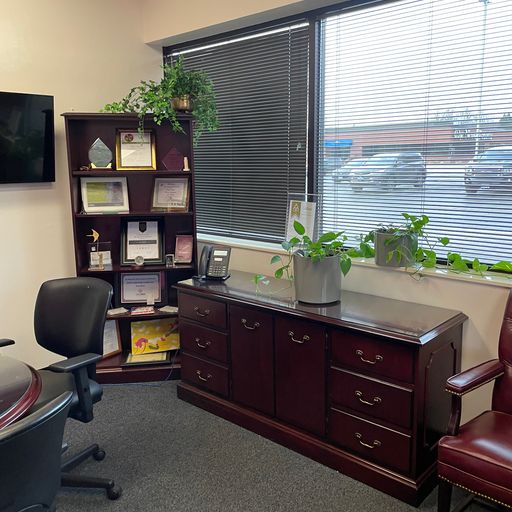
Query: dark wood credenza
[357,385]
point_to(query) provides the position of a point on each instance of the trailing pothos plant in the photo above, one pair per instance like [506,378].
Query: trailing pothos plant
[329,244]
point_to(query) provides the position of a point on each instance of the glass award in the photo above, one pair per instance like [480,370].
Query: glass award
[100,155]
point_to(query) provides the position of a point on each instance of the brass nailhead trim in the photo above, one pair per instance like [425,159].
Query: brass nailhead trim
[475,492]
[479,385]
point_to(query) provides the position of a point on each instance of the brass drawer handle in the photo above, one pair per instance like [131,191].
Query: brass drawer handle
[375,443]
[360,353]
[304,338]
[251,328]
[206,343]
[204,379]
[376,399]
[199,313]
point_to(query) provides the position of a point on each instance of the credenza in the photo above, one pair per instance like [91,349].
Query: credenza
[356,385]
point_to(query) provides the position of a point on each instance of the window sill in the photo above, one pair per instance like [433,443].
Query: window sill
[491,278]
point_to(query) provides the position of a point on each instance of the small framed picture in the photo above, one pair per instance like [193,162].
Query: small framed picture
[141,288]
[170,194]
[148,336]
[142,240]
[184,249]
[111,339]
[104,195]
[135,151]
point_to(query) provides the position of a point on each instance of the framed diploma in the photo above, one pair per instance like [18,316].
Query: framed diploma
[184,249]
[135,151]
[142,242]
[111,339]
[170,194]
[141,288]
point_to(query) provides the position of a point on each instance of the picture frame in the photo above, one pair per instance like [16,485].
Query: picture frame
[104,194]
[184,249]
[171,194]
[150,336]
[111,339]
[141,288]
[142,238]
[135,150]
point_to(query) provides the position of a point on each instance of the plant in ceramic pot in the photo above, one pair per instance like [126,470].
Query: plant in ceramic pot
[159,99]
[317,265]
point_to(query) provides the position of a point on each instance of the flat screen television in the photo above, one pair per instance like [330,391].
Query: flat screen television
[27,138]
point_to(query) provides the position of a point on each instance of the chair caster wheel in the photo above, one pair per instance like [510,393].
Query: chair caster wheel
[114,492]
[99,455]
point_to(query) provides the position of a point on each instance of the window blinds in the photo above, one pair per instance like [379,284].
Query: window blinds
[419,93]
[246,169]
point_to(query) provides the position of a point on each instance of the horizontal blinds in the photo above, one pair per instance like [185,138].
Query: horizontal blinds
[246,169]
[416,116]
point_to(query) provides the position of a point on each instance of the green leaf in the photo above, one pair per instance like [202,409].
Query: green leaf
[328,237]
[444,240]
[279,273]
[367,250]
[286,246]
[299,228]
[260,278]
[294,241]
[345,264]
[276,259]
[389,256]
[503,266]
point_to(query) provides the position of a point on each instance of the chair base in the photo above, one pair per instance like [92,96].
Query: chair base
[68,480]
[444,495]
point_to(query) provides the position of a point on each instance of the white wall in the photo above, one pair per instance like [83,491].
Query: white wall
[85,54]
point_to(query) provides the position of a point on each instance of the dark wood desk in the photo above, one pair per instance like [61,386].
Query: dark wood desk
[357,385]
[20,386]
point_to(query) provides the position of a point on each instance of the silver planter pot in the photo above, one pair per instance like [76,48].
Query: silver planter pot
[317,282]
[408,246]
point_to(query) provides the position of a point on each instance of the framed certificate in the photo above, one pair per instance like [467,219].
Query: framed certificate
[135,150]
[104,195]
[170,194]
[111,339]
[184,248]
[141,288]
[141,242]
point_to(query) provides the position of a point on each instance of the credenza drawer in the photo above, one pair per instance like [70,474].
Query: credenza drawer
[205,374]
[206,311]
[203,341]
[378,399]
[384,358]
[373,442]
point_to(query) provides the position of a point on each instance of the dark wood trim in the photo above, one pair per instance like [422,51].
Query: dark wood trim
[394,484]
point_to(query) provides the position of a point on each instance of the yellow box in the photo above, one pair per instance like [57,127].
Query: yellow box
[150,336]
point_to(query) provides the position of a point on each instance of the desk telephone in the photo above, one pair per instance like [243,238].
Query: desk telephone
[214,262]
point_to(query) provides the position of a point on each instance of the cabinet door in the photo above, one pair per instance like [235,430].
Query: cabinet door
[300,373]
[252,358]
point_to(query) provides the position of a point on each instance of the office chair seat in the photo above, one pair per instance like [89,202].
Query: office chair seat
[480,456]
[53,384]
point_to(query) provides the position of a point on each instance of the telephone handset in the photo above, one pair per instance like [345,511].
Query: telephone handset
[214,262]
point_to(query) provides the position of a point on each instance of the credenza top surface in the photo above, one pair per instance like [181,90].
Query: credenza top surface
[407,321]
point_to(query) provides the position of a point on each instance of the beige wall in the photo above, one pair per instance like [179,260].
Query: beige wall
[85,54]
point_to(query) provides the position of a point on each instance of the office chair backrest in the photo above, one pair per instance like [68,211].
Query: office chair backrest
[70,314]
[502,393]
[30,458]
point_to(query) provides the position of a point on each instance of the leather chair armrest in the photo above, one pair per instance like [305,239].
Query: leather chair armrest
[475,377]
[74,363]
[4,342]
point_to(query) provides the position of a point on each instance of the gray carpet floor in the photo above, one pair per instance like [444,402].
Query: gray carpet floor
[171,456]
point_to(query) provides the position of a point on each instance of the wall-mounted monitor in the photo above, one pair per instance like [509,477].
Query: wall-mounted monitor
[27,140]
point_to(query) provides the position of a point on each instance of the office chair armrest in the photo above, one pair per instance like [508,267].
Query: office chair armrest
[4,342]
[473,378]
[74,363]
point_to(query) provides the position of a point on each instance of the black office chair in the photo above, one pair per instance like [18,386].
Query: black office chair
[69,319]
[30,458]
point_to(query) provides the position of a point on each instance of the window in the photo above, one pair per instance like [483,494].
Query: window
[246,169]
[415,115]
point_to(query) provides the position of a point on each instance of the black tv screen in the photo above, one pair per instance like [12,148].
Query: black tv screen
[27,141]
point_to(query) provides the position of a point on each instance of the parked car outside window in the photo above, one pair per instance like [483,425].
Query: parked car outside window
[385,171]
[343,172]
[491,168]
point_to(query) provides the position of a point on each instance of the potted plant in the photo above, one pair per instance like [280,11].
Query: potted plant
[317,265]
[179,89]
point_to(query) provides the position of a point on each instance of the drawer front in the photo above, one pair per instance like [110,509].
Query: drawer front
[300,373]
[206,311]
[203,341]
[372,442]
[252,358]
[204,374]
[383,358]
[378,399]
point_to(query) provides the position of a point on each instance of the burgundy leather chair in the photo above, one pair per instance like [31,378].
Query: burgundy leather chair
[477,456]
